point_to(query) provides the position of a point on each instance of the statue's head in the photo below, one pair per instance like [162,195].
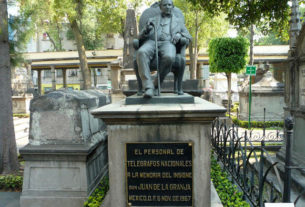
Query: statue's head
[166,7]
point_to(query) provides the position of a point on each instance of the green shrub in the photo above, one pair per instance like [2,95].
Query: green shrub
[257,124]
[11,182]
[235,107]
[97,197]
[227,191]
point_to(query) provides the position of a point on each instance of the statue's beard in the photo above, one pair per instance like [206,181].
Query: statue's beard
[167,13]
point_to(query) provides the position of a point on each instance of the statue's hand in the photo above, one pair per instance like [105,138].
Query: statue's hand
[176,38]
[149,27]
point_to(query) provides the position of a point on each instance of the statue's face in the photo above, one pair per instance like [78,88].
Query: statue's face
[166,7]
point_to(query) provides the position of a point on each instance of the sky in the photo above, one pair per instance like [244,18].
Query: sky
[12,9]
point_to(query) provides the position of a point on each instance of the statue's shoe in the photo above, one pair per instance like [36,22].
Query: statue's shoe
[149,93]
[180,93]
[156,92]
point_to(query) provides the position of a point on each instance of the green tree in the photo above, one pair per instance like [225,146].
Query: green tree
[8,151]
[88,19]
[203,27]
[228,55]
[270,39]
[271,15]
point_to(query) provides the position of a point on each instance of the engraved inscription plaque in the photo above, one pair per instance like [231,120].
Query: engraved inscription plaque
[159,174]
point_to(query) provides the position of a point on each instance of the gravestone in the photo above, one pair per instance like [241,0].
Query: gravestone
[220,88]
[268,93]
[159,154]
[67,152]
[21,83]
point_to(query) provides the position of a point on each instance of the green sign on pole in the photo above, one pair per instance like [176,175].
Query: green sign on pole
[251,71]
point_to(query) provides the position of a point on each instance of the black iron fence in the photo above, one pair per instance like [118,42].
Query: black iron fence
[242,153]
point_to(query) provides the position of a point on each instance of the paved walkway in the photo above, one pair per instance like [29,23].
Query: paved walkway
[9,199]
[21,131]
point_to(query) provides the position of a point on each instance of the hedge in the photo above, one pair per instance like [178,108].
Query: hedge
[97,197]
[227,191]
[11,183]
[257,124]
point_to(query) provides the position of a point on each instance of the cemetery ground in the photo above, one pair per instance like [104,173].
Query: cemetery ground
[11,185]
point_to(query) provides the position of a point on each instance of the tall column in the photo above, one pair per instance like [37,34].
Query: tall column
[53,78]
[39,82]
[64,77]
[129,35]
[295,25]
[29,79]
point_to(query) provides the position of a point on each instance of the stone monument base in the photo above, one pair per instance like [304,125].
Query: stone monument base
[61,175]
[144,138]
[164,98]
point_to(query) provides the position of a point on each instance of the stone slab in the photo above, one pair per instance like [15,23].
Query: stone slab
[119,113]
[196,93]
[164,98]
[279,205]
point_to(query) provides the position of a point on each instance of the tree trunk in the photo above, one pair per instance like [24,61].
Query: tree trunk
[229,91]
[82,54]
[58,35]
[52,41]
[8,151]
[251,45]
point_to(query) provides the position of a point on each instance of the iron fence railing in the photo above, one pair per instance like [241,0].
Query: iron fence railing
[244,160]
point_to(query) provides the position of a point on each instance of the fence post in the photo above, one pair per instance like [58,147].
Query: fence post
[287,183]
[261,174]
[264,127]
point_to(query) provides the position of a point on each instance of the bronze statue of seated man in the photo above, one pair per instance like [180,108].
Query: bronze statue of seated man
[168,28]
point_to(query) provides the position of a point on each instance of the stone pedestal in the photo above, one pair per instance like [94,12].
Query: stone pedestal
[67,153]
[21,104]
[159,124]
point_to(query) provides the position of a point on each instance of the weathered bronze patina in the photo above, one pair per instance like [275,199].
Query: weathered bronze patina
[161,45]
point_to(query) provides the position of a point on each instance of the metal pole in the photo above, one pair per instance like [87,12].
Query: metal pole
[250,100]
[287,182]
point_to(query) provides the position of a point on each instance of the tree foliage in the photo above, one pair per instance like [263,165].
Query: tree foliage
[228,55]
[208,26]
[271,15]
[203,27]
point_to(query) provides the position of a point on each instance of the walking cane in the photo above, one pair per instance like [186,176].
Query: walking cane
[157,58]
